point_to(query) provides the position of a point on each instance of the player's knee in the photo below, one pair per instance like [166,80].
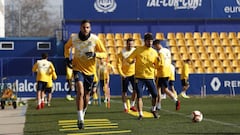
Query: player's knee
[154,95]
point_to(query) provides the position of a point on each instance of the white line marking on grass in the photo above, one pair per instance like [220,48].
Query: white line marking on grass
[189,116]
[205,119]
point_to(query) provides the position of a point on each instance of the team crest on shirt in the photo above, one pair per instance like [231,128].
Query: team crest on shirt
[105,5]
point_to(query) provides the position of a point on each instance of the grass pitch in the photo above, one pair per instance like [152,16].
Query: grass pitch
[221,116]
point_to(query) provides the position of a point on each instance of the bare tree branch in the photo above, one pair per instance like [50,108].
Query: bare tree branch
[30,18]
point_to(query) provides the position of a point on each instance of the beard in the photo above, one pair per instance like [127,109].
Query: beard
[83,37]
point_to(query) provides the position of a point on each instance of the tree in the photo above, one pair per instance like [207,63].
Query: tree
[32,18]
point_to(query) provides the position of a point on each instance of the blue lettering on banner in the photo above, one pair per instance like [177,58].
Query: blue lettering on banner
[176,4]
[214,84]
[26,86]
[233,8]
[226,9]
[150,9]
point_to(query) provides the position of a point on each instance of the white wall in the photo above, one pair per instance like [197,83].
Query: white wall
[2,19]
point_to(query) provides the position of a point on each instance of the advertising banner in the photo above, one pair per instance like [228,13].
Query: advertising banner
[226,9]
[174,9]
[222,83]
[213,84]
[118,10]
[100,9]
[25,86]
[210,84]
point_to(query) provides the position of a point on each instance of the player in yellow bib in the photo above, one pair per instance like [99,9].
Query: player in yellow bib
[104,77]
[163,74]
[172,80]
[44,69]
[184,78]
[127,71]
[49,90]
[87,47]
[146,61]
[69,75]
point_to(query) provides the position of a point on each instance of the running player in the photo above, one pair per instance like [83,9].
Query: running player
[49,90]
[43,68]
[69,74]
[87,47]
[163,74]
[172,80]
[104,78]
[127,71]
[184,78]
[146,60]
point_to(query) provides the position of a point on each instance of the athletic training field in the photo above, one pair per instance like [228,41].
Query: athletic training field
[221,116]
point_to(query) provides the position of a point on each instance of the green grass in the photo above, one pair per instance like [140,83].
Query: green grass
[221,116]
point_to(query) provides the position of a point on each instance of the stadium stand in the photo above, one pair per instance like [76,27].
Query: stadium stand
[223,35]
[179,35]
[232,35]
[127,35]
[109,36]
[210,52]
[118,36]
[238,35]
[101,35]
[137,42]
[188,35]
[170,35]
[190,42]
[160,36]
[197,35]
[137,36]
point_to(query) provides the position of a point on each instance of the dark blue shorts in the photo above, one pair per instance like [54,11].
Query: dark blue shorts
[87,80]
[171,83]
[162,82]
[48,90]
[149,83]
[125,83]
[41,86]
[101,84]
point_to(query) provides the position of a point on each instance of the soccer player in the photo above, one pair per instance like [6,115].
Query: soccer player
[172,80]
[69,74]
[49,91]
[111,68]
[104,77]
[44,69]
[93,94]
[127,71]
[184,78]
[87,47]
[146,60]
[163,74]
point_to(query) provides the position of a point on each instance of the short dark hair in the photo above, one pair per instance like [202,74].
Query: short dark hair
[187,60]
[85,21]
[130,39]
[155,42]
[44,55]
[148,36]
